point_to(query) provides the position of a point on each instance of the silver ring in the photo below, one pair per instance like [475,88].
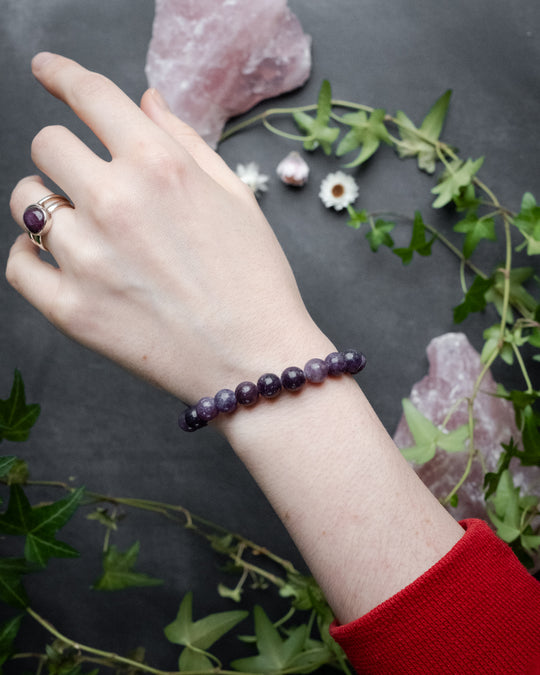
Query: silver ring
[37,218]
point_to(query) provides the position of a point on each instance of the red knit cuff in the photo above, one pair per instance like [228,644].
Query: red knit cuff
[475,611]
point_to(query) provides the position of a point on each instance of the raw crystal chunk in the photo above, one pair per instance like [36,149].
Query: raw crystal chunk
[213,59]
[454,366]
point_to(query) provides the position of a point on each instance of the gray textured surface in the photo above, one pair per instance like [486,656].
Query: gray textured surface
[115,434]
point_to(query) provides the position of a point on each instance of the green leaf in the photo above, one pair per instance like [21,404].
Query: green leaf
[379,235]
[317,129]
[11,587]
[528,223]
[491,479]
[275,654]
[491,337]
[530,437]
[428,437]
[16,417]
[419,244]
[118,571]
[366,133]
[8,633]
[6,463]
[518,294]
[203,633]
[421,142]
[39,524]
[458,176]
[475,229]
[474,300]
[357,218]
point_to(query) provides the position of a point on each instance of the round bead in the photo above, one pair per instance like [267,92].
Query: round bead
[336,363]
[206,409]
[269,385]
[189,420]
[225,401]
[316,371]
[355,361]
[34,219]
[293,378]
[246,393]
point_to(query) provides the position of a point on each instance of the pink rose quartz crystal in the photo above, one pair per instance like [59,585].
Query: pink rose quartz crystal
[213,59]
[454,366]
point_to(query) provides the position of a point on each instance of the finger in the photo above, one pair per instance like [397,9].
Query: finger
[66,160]
[115,119]
[155,107]
[28,191]
[32,277]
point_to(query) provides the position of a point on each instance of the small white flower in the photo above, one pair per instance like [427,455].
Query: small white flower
[338,190]
[293,169]
[249,174]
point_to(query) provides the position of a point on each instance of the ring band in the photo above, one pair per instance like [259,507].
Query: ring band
[37,217]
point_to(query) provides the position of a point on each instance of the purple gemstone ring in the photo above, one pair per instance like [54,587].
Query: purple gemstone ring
[37,217]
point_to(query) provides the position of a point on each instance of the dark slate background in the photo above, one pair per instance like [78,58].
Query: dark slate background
[101,428]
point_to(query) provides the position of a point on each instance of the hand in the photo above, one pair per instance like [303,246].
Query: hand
[166,264]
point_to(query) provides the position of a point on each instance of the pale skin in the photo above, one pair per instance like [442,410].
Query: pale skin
[158,268]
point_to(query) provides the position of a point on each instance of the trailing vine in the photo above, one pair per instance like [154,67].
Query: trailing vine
[298,642]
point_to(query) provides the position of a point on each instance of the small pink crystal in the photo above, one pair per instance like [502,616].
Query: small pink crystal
[453,368]
[213,59]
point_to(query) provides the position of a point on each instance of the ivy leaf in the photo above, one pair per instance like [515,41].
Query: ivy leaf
[11,587]
[275,654]
[197,636]
[6,463]
[491,336]
[357,218]
[457,177]
[421,142]
[379,235]
[428,437]
[16,417]
[8,633]
[491,479]
[366,133]
[518,294]
[39,524]
[317,129]
[118,571]
[528,223]
[419,243]
[474,300]
[510,513]
[530,436]
[475,229]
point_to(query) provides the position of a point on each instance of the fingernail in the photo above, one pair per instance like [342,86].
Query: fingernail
[41,59]
[158,98]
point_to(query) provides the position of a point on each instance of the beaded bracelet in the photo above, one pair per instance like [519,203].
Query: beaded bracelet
[270,385]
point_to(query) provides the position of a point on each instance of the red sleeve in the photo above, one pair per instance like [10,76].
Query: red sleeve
[475,611]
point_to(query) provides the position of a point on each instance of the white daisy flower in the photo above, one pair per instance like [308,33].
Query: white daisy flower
[293,169]
[338,190]
[249,174]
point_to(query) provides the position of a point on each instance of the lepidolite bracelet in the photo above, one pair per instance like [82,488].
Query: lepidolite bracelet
[270,385]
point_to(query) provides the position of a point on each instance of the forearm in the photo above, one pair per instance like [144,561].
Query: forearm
[364,523]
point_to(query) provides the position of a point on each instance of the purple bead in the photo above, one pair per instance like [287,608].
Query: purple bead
[355,361]
[189,420]
[336,363]
[316,370]
[206,409]
[246,393]
[293,378]
[225,401]
[34,219]
[269,385]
